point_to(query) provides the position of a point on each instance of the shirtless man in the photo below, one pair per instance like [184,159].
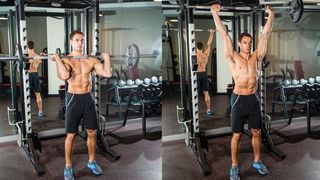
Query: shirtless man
[80,104]
[34,76]
[245,105]
[202,61]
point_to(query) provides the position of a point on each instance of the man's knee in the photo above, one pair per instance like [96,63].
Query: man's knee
[91,133]
[70,138]
[255,132]
[38,95]
[206,95]
[236,136]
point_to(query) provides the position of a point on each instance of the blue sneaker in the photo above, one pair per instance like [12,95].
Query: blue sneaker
[261,168]
[94,168]
[209,113]
[68,173]
[234,173]
[40,114]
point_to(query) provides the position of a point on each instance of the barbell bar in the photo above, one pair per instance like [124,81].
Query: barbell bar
[168,28]
[131,56]
[295,7]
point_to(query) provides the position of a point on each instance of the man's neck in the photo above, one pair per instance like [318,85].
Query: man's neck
[245,55]
[30,51]
[198,51]
[77,52]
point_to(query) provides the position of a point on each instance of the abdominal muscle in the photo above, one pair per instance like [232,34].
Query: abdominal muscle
[79,84]
[245,77]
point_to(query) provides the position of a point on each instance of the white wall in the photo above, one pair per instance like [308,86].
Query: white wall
[141,26]
[37,32]
[289,42]
[55,39]
[224,76]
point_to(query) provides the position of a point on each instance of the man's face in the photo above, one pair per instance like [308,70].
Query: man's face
[245,44]
[77,42]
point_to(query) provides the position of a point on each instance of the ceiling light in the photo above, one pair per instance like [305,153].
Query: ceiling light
[173,20]
[56,3]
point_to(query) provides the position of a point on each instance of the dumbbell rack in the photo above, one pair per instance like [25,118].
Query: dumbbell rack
[283,92]
[117,93]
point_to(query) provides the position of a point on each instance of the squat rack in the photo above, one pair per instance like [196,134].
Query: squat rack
[188,114]
[28,139]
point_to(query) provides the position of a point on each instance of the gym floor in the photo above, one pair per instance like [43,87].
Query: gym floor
[140,156]
[143,158]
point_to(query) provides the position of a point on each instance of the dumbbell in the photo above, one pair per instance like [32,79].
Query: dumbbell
[130,82]
[318,79]
[286,82]
[121,83]
[154,80]
[147,81]
[303,81]
[294,82]
[138,82]
[311,80]
[115,99]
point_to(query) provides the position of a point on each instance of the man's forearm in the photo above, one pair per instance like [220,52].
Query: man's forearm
[62,71]
[268,26]
[107,68]
[218,23]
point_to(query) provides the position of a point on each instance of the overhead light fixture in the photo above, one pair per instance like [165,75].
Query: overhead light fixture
[3,18]
[56,3]
[173,20]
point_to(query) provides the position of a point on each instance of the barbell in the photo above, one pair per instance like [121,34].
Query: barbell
[295,7]
[131,56]
[167,28]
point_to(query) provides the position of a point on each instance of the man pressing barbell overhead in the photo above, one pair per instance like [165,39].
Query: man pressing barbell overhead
[245,102]
[80,104]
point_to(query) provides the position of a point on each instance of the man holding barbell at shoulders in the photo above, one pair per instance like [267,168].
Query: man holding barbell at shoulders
[80,104]
[34,76]
[245,102]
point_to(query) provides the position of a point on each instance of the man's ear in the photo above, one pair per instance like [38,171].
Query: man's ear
[239,44]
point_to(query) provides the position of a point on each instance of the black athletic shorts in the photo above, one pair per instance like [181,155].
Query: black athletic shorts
[34,82]
[245,107]
[80,106]
[202,79]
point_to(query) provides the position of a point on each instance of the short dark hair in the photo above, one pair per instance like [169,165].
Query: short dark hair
[243,35]
[30,45]
[199,45]
[74,33]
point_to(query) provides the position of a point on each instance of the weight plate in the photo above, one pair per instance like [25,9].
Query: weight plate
[132,54]
[296,10]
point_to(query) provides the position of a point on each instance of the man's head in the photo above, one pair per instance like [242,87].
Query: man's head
[77,40]
[245,42]
[199,46]
[30,45]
